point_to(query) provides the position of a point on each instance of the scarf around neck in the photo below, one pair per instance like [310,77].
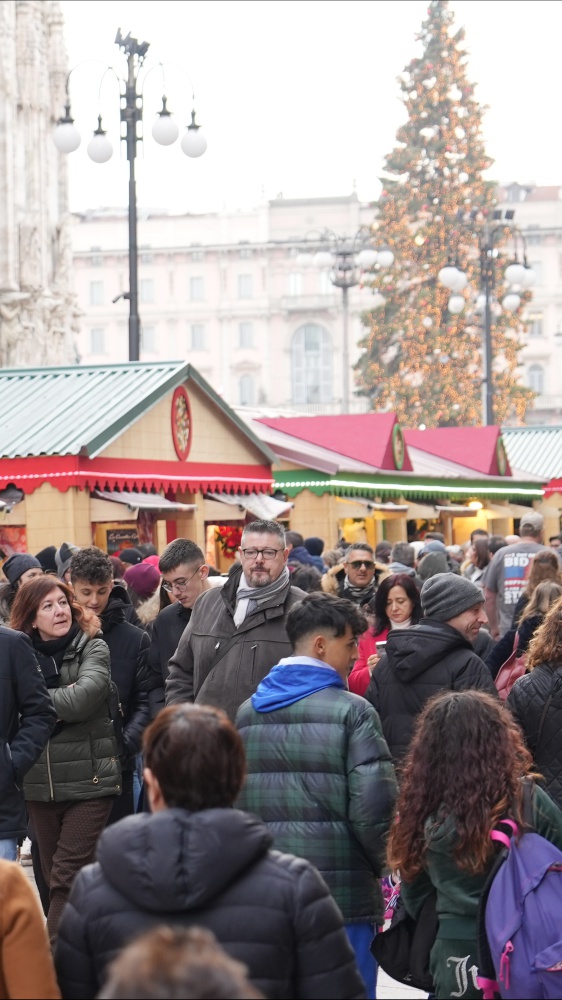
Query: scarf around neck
[362,594]
[50,653]
[250,599]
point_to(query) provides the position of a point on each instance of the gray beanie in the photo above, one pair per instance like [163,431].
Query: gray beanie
[447,595]
[18,564]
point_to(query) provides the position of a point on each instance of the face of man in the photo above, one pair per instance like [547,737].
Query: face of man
[339,651]
[263,558]
[186,582]
[93,596]
[470,622]
[554,542]
[360,567]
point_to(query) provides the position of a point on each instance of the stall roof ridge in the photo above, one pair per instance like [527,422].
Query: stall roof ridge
[536,449]
[81,409]
[474,448]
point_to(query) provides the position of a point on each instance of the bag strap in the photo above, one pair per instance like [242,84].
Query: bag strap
[221,649]
[554,690]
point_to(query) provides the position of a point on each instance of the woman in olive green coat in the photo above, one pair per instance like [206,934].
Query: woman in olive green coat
[71,789]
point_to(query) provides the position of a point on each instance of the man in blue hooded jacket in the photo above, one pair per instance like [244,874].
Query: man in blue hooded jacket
[319,772]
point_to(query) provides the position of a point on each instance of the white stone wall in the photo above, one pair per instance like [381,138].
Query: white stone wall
[37,308]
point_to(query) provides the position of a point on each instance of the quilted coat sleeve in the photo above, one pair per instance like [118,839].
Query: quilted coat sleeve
[371,784]
[325,961]
[139,720]
[80,701]
[74,962]
[179,683]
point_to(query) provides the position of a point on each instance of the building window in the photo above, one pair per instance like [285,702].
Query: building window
[245,286]
[96,293]
[247,390]
[326,287]
[535,327]
[295,283]
[97,341]
[311,363]
[535,378]
[533,239]
[196,289]
[148,339]
[245,334]
[146,289]
[245,253]
[197,337]
[197,256]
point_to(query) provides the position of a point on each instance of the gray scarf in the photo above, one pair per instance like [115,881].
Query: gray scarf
[250,599]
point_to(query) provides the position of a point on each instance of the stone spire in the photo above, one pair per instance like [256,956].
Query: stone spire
[37,308]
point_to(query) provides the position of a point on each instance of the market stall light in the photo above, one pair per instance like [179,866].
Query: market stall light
[475,505]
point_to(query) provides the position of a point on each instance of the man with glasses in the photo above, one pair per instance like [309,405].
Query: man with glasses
[359,576]
[185,577]
[237,634]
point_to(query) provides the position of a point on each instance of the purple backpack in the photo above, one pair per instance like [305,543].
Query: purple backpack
[520,917]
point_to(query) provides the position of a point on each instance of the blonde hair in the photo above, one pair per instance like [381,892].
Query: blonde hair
[543,597]
[546,644]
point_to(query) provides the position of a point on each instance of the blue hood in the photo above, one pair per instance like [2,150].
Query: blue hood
[287,683]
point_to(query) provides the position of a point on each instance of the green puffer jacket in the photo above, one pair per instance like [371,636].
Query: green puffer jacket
[82,760]
[320,776]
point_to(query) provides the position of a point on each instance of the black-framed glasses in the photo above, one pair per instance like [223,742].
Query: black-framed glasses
[267,554]
[358,563]
[179,585]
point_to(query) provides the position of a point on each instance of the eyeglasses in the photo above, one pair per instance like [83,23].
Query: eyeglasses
[268,554]
[179,585]
[358,563]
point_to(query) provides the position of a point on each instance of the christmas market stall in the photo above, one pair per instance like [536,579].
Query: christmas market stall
[123,454]
[363,478]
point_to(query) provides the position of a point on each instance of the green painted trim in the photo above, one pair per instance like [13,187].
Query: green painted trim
[294,482]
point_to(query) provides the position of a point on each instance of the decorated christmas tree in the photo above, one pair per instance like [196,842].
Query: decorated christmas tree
[420,360]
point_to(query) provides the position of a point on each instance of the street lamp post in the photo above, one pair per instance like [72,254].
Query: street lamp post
[164,131]
[519,277]
[347,258]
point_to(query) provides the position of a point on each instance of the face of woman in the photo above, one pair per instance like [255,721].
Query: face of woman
[54,615]
[398,606]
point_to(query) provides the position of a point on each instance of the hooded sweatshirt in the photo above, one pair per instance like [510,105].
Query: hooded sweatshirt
[418,663]
[211,869]
[293,678]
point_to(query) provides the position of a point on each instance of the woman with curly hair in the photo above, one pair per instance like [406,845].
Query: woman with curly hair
[462,774]
[70,790]
[536,699]
[396,604]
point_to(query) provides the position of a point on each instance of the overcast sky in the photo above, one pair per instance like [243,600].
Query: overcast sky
[300,96]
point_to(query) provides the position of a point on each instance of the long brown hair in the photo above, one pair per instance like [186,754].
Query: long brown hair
[29,597]
[545,566]
[465,764]
[544,596]
[546,644]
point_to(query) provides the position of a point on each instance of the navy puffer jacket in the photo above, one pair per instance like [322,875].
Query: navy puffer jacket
[210,869]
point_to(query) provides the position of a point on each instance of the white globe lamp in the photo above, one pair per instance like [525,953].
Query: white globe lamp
[165,130]
[99,148]
[367,258]
[515,274]
[66,136]
[194,142]
[511,302]
[455,304]
[448,276]
[460,281]
[385,258]
[322,259]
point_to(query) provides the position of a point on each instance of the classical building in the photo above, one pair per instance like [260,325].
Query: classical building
[36,303]
[227,292]
[538,213]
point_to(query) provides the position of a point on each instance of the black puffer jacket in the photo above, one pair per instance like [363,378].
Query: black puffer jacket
[167,630]
[27,719]
[128,649]
[212,869]
[419,662]
[527,701]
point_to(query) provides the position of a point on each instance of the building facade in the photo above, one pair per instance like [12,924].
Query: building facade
[37,312]
[227,292]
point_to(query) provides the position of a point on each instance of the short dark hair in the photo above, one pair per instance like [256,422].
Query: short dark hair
[383,551]
[181,550]
[196,755]
[91,564]
[496,542]
[308,578]
[358,547]
[294,538]
[478,531]
[404,553]
[147,549]
[265,528]
[437,536]
[324,613]
[177,963]
[554,538]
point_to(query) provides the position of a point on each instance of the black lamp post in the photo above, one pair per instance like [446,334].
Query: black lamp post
[164,131]
[518,275]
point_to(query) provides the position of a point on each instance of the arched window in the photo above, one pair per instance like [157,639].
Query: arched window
[535,378]
[311,357]
[247,390]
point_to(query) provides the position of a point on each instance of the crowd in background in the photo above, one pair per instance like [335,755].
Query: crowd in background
[149,695]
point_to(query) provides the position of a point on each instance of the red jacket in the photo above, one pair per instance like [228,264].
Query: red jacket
[360,676]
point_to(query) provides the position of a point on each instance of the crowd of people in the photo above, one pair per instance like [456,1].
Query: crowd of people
[217,777]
